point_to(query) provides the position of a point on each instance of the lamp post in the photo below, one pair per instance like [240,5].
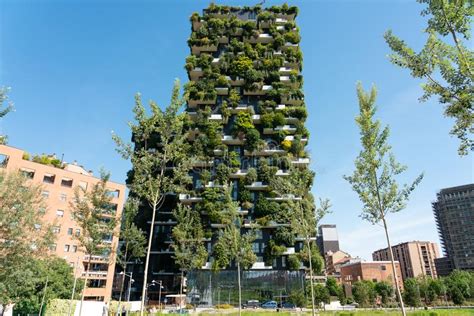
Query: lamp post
[119,309]
[152,283]
[160,283]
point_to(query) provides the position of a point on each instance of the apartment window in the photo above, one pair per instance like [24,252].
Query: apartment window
[83,185]
[53,247]
[48,178]
[66,182]
[37,226]
[63,197]
[113,193]
[74,248]
[283,262]
[60,213]
[56,229]
[69,231]
[3,160]
[78,232]
[27,173]
[66,248]
[45,194]
[383,268]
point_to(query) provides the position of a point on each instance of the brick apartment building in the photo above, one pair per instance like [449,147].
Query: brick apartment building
[415,257]
[375,271]
[58,184]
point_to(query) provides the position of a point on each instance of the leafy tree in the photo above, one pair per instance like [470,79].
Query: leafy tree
[91,211]
[24,239]
[364,292]
[188,235]
[458,285]
[160,142]
[4,109]
[321,294]
[305,215]
[385,290]
[412,292]
[297,297]
[445,63]
[51,277]
[132,238]
[374,177]
[332,286]
[232,245]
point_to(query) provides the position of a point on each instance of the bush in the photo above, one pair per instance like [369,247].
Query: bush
[294,263]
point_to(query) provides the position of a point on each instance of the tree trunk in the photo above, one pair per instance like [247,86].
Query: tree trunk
[395,276]
[73,292]
[180,288]
[145,275]
[85,284]
[240,289]
[313,312]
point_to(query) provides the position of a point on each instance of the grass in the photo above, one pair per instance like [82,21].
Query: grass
[438,312]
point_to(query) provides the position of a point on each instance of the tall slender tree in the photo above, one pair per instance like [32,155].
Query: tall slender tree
[233,246]
[376,169]
[188,241]
[92,213]
[132,240]
[159,158]
[4,109]
[23,234]
[446,63]
[305,216]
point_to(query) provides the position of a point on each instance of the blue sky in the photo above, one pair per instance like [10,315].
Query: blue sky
[74,67]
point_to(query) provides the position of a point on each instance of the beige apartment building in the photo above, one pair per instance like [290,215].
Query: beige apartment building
[415,257]
[58,184]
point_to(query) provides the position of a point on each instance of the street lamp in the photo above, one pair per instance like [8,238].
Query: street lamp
[129,288]
[160,283]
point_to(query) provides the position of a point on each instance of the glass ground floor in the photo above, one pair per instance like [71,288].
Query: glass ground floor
[212,288]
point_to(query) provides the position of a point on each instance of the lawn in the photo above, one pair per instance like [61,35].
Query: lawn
[437,312]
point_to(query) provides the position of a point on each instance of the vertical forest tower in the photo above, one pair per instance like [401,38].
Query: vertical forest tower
[249,165]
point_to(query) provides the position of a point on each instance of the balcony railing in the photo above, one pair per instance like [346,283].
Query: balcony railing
[186,198]
[257,186]
[97,258]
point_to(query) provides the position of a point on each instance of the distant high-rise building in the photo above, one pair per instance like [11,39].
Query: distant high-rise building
[454,214]
[58,182]
[415,257]
[327,239]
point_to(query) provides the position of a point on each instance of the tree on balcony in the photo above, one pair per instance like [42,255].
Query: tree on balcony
[90,210]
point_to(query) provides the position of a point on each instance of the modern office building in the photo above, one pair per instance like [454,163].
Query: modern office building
[327,239]
[454,214]
[375,271]
[415,257]
[59,180]
[247,113]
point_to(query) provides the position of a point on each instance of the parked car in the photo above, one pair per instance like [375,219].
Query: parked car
[269,305]
[251,304]
[287,305]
